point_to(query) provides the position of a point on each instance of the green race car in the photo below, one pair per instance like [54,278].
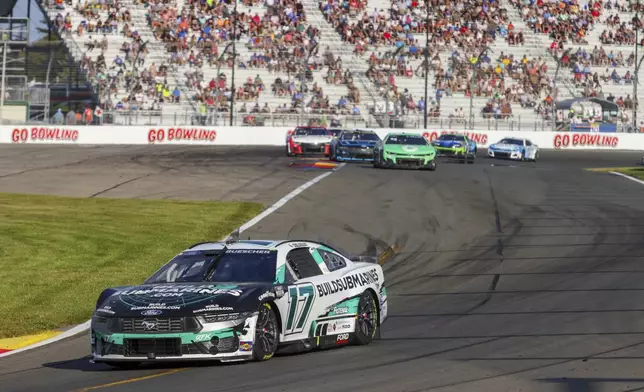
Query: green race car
[404,150]
[456,146]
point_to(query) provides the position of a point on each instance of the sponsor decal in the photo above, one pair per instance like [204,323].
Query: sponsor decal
[202,337]
[246,346]
[250,251]
[213,308]
[585,140]
[155,306]
[279,291]
[178,291]
[106,309]
[340,310]
[298,245]
[181,134]
[151,312]
[23,135]
[359,279]
[342,338]
[266,295]
[478,137]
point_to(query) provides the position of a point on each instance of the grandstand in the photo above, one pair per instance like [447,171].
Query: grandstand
[492,65]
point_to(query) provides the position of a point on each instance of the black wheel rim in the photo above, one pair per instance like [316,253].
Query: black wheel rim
[367,314]
[266,330]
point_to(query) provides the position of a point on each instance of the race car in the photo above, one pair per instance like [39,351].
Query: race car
[456,146]
[241,301]
[514,148]
[404,150]
[356,145]
[308,140]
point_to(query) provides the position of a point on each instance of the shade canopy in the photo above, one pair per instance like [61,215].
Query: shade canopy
[607,106]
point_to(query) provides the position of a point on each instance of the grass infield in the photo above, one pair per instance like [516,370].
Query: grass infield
[637,171]
[58,253]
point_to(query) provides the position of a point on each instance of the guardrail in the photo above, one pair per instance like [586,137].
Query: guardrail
[222,119]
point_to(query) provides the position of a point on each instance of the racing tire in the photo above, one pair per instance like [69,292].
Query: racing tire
[432,166]
[536,156]
[367,321]
[124,365]
[470,159]
[266,334]
[376,162]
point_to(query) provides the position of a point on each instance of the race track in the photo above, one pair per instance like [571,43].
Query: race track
[508,276]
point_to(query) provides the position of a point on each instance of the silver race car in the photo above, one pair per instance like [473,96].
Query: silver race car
[520,149]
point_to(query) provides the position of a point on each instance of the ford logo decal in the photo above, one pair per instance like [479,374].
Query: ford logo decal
[152,312]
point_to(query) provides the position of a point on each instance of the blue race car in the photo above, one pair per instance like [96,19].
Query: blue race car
[456,146]
[354,145]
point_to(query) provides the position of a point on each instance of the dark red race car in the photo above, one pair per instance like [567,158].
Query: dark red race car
[308,140]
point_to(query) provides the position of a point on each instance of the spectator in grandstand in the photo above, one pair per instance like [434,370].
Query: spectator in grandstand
[564,22]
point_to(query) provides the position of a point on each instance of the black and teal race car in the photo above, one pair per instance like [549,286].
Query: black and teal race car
[404,150]
[453,145]
[241,301]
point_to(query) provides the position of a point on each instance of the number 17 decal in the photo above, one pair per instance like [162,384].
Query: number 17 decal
[300,300]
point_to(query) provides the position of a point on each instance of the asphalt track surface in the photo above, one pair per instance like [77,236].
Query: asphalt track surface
[508,276]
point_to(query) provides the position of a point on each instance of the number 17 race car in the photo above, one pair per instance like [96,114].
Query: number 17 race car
[241,301]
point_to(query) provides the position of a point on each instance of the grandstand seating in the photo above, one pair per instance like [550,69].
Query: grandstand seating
[328,25]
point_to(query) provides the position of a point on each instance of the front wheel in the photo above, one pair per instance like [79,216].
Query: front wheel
[266,334]
[432,166]
[367,320]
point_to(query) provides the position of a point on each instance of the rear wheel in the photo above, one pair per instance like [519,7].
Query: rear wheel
[266,334]
[367,320]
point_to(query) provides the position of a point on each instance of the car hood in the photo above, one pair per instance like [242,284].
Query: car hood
[506,147]
[312,139]
[357,143]
[409,149]
[183,299]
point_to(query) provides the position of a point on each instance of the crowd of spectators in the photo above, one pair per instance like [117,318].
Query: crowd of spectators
[563,21]
[127,81]
[275,34]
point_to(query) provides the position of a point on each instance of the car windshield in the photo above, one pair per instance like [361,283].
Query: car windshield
[359,136]
[512,141]
[452,137]
[236,265]
[311,132]
[407,139]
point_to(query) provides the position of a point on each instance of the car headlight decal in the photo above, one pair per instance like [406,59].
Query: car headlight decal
[217,318]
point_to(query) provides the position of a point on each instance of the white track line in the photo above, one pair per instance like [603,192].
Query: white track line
[85,326]
[629,177]
[70,332]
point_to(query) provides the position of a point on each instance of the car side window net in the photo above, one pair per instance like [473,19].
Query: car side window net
[302,263]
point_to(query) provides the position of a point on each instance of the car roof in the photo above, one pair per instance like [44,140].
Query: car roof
[241,244]
[249,244]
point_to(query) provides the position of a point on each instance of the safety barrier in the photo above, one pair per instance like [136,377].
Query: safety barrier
[276,136]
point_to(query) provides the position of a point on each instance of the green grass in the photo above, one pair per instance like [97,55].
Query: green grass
[637,172]
[58,253]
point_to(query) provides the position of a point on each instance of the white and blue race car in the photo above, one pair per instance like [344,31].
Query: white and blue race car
[514,148]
